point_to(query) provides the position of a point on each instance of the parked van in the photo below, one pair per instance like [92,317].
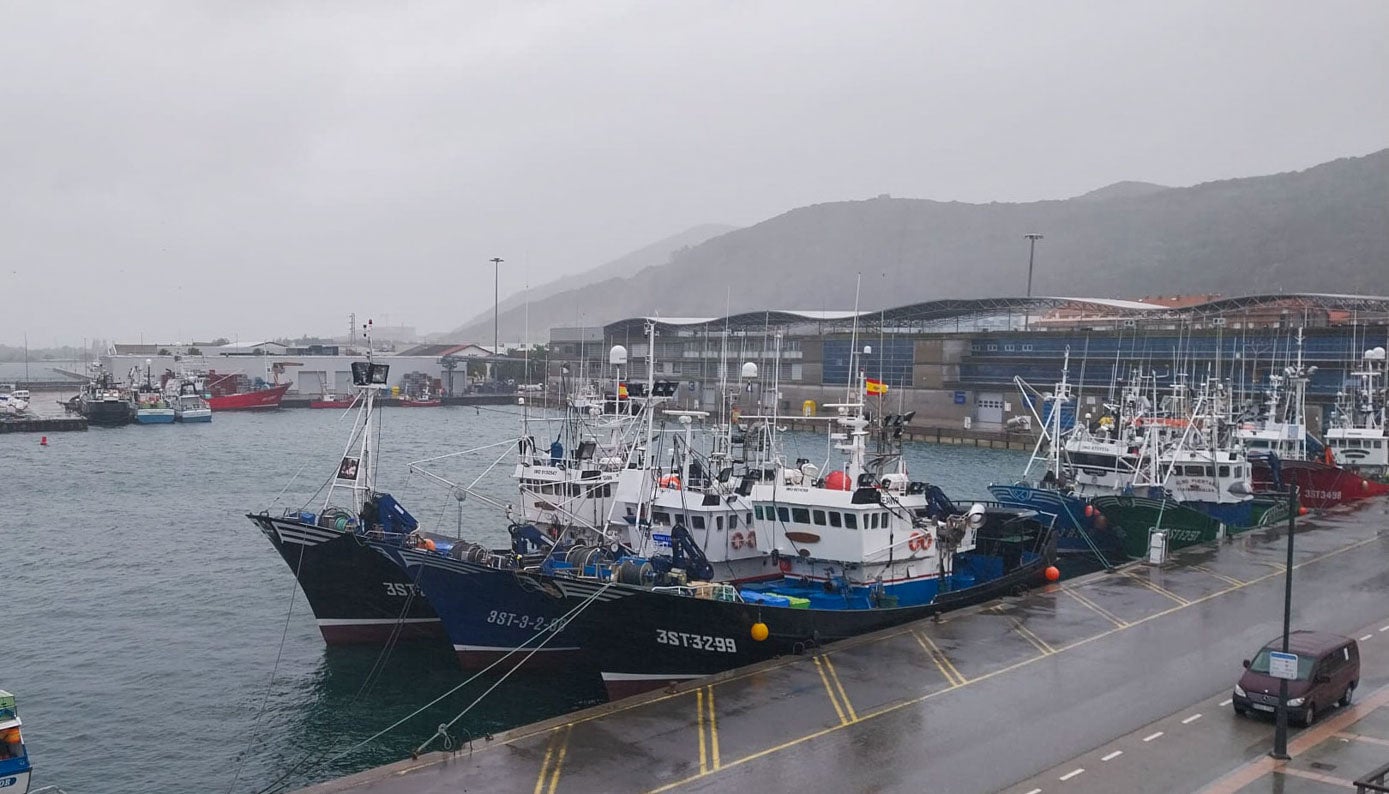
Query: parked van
[1328,670]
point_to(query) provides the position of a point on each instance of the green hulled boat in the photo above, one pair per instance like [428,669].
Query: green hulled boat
[1135,518]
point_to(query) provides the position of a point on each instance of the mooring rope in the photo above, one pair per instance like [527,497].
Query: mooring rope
[280,781]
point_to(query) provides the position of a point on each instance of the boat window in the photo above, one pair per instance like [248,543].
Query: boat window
[660,517]
[718,523]
[732,521]
[575,489]
[783,515]
[1239,471]
[748,519]
[1092,460]
[801,515]
[697,521]
[872,521]
[850,521]
[819,518]
[1224,471]
[885,518]
[758,510]
[834,519]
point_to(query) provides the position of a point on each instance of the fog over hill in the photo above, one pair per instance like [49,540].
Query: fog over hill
[513,314]
[1323,229]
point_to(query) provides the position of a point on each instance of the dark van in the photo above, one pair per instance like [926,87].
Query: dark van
[1328,670]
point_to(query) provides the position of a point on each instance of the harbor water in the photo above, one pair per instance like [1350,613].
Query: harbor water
[156,641]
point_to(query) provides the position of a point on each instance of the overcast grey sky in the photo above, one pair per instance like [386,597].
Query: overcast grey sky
[187,170]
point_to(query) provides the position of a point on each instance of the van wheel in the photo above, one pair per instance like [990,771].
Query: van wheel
[1350,692]
[1309,716]
[1239,711]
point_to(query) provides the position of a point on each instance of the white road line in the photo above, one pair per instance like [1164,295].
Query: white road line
[1072,773]
[1384,628]
[1113,755]
[1227,701]
[1191,719]
[1366,637]
[1152,737]
[1035,791]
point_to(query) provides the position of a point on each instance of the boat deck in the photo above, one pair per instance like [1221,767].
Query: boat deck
[1102,674]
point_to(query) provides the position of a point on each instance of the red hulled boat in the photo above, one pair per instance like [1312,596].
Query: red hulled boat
[233,391]
[1319,485]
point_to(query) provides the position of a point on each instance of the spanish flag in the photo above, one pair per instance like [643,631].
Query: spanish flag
[876,386]
[621,391]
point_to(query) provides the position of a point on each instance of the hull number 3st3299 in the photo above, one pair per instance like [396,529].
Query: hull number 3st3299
[699,642]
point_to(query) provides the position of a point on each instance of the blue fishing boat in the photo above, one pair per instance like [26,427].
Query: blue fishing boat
[15,769]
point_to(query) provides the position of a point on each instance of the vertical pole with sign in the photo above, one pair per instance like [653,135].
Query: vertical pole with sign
[1280,734]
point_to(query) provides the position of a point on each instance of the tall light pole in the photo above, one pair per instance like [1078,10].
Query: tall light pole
[1032,238]
[496,303]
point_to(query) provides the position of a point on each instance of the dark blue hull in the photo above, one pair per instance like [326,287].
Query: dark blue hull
[488,612]
[1076,533]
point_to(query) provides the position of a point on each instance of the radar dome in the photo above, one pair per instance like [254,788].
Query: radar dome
[617,356]
[749,370]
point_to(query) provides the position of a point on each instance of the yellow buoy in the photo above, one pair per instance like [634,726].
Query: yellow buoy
[759,631]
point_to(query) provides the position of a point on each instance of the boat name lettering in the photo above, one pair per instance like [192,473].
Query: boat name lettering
[700,642]
[1334,496]
[1178,534]
[537,622]
[401,589]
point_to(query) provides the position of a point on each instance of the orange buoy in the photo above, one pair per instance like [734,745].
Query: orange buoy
[1301,510]
[1052,573]
[428,544]
[1089,511]
[838,481]
[759,631]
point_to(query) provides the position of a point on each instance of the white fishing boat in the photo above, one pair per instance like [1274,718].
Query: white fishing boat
[1358,434]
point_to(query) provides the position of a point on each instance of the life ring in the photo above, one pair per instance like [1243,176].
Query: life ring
[919,541]
[736,540]
[752,540]
[785,566]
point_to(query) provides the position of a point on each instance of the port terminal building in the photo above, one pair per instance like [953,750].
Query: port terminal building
[954,361]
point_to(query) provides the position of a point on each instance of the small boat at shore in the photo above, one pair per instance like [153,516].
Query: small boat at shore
[15,769]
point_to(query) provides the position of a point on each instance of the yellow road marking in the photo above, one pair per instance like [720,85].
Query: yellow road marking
[885,710]
[1027,634]
[549,775]
[829,690]
[1096,608]
[713,731]
[1222,577]
[947,668]
[839,685]
[699,722]
[1155,588]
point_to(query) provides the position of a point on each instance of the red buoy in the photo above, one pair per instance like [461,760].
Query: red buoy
[1301,510]
[43,442]
[1089,511]
[1052,573]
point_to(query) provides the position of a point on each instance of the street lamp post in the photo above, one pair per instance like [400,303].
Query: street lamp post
[1280,734]
[496,303]
[1032,238]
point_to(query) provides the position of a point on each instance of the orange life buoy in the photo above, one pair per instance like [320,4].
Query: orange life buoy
[785,566]
[919,541]
[736,540]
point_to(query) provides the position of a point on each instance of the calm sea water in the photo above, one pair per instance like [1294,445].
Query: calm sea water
[156,641]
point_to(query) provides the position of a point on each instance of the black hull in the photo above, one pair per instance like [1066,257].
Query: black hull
[106,413]
[357,595]
[642,640]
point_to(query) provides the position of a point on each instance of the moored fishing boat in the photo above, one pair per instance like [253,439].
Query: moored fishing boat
[103,403]
[1358,435]
[15,769]
[357,595]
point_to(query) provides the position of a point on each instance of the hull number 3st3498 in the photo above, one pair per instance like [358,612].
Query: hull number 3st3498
[699,642]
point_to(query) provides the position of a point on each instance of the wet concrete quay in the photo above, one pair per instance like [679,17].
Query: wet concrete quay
[1124,676]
